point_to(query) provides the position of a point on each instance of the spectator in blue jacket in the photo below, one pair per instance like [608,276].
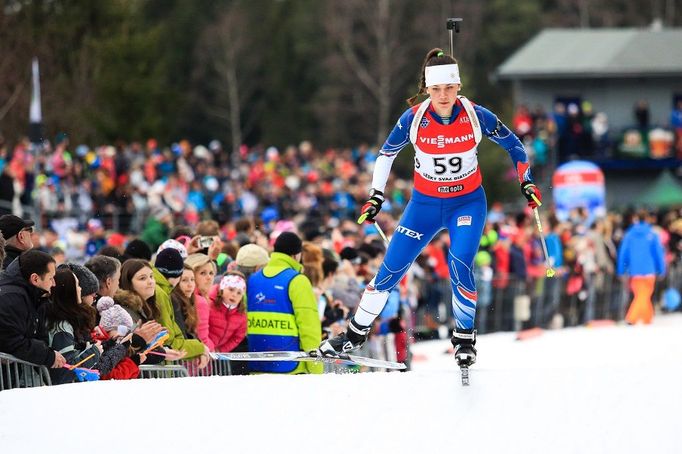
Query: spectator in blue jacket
[641,257]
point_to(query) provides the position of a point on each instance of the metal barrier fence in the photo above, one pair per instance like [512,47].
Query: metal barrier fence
[541,302]
[188,368]
[168,371]
[216,367]
[15,373]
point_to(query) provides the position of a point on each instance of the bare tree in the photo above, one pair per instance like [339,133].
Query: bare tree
[224,50]
[368,37]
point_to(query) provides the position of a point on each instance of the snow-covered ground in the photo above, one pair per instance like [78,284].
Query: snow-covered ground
[584,390]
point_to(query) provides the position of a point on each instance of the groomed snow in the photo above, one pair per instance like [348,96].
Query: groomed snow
[584,390]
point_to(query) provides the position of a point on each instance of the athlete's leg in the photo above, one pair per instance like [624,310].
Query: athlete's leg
[418,225]
[465,224]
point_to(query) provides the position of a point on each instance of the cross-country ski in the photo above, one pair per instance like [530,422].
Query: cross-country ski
[342,358]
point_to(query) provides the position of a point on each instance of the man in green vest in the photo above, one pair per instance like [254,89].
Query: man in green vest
[282,310]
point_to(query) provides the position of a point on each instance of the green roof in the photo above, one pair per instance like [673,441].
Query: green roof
[666,191]
[604,52]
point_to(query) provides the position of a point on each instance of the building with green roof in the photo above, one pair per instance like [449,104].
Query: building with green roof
[610,68]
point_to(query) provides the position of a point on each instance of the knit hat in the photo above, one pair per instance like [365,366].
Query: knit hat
[169,263]
[113,315]
[233,281]
[87,280]
[288,243]
[252,255]
[138,249]
[174,244]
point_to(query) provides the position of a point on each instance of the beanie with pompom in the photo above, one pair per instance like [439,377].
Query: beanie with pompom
[113,315]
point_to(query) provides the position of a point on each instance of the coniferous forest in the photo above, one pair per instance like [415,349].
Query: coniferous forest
[262,71]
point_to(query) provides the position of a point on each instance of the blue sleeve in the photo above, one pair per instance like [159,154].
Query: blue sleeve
[493,128]
[399,137]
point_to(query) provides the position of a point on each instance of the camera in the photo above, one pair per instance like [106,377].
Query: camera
[205,242]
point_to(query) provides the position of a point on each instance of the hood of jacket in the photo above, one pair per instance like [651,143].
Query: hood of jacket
[641,229]
[129,299]
[161,281]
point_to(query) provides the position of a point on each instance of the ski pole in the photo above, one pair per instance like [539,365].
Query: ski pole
[382,234]
[362,218]
[550,270]
[453,24]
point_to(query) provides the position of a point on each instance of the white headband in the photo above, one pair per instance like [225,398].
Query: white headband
[442,74]
[233,281]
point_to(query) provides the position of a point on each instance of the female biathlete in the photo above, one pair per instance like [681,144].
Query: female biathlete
[445,131]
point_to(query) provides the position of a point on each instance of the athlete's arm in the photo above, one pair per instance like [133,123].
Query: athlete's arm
[396,141]
[493,128]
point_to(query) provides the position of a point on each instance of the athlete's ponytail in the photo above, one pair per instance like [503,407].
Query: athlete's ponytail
[434,57]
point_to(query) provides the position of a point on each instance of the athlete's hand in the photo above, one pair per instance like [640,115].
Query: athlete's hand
[532,194]
[372,207]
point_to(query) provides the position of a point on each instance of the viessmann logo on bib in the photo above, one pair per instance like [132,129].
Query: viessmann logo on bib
[440,141]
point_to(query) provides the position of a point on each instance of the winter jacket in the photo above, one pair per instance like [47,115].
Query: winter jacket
[119,366]
[63,339]
[203,313]
[19,319]
[177,341]
[10,254]
[641,252]
[304,304]
[133,304]
[226,327]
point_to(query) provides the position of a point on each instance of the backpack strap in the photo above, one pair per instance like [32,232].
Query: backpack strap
[414,127]
[473,118]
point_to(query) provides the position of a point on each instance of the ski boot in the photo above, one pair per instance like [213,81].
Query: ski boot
[464,340]
[354,337]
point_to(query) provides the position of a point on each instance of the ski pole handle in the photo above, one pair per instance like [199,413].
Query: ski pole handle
[536,200]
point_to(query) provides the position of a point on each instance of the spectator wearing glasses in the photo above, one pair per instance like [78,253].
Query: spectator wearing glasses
[17,233]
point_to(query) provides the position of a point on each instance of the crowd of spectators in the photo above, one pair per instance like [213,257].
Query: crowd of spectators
[576,130]
[136,203]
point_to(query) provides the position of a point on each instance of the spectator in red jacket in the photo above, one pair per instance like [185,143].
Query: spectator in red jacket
[227,317]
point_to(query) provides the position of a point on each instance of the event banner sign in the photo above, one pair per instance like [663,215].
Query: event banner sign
[579,184]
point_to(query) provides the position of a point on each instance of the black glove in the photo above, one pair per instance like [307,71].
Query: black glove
[372,207]
[528,189]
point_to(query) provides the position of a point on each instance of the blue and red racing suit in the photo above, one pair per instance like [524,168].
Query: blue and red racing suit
[447,195]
